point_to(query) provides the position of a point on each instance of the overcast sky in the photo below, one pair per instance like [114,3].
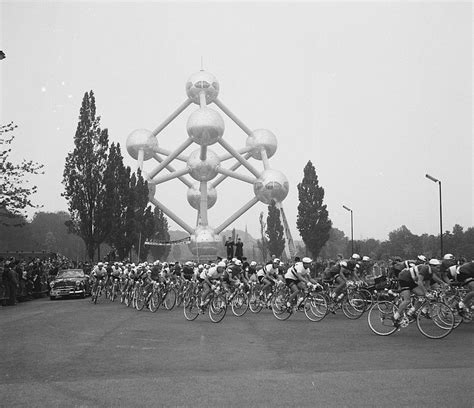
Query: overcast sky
[375,94]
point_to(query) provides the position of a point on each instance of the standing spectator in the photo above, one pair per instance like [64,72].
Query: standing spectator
[229,244]
[13,284]
[239,249]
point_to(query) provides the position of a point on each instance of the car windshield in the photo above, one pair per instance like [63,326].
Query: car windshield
[70,274]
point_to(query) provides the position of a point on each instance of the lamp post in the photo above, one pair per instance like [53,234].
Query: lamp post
[435,180]
[352,228]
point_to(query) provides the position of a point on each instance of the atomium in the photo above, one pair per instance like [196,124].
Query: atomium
[206,127]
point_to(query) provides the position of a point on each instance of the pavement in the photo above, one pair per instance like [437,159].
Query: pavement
[72,353]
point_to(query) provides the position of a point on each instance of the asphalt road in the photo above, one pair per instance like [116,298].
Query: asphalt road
[71,353]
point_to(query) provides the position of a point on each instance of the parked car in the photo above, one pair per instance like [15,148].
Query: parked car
[70,282]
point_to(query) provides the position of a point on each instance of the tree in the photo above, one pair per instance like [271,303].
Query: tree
[313,221]
[161,234]
[262,243]
[336,244]
[83,177]
[274,232]
[15,193]
[403,243]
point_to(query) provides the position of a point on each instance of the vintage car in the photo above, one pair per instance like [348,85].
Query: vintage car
[70,282]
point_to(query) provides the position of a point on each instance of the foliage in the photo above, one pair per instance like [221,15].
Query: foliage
[336,244]
[161,234]
[15,193]
[274,232]
[262,243]
[313,221]
[83,177]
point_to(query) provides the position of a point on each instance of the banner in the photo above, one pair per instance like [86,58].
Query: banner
[153,242]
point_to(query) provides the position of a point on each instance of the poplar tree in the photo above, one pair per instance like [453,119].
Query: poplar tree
[275,233]
[161,234]
[313,221]
[83,177]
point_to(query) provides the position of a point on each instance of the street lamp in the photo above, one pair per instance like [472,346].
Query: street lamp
[435,180]
[352,228]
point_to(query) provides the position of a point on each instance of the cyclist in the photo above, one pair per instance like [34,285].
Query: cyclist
[187,272]
[415,279]
[270,275]
[466,277]
[232,274]
[297,277]
[209,277]
[98,273]
[340,273]
[251,272]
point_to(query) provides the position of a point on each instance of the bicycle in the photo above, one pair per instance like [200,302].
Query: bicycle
[113,294]
[434,319]
[351,303]
[238,300]
[97,291]
[216,305]
[257,302]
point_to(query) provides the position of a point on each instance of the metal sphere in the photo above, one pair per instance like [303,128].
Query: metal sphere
[194,196]
[204,241]
[202,81]
[141,139]
[205,126]
[271,185]
[262,138]
[203,170]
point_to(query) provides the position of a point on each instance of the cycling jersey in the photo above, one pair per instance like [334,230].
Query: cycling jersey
[466,272]
[99,272]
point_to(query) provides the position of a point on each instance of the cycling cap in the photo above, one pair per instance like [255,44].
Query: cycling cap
[448,256]
[276,260]
[189,263]
[422,258]
[366,258]
[221,264]
[100,264]
[238,262]
[307,260]
[434,262]
[253,263]
[355,256]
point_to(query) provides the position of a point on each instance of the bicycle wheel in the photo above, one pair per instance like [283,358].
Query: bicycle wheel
[140,299]
[435,320]
[380,318]
[452,302]
[129,297]
[191,309]
[179,297]
[255,304]
[367,296]
[170,299]
[240,304]
[315,307]
[113,295]
[94,296]
[279,307]
[155,301]
[353,306]
[217,308]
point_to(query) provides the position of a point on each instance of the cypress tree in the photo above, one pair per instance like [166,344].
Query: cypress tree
[312,220]
[274,233]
